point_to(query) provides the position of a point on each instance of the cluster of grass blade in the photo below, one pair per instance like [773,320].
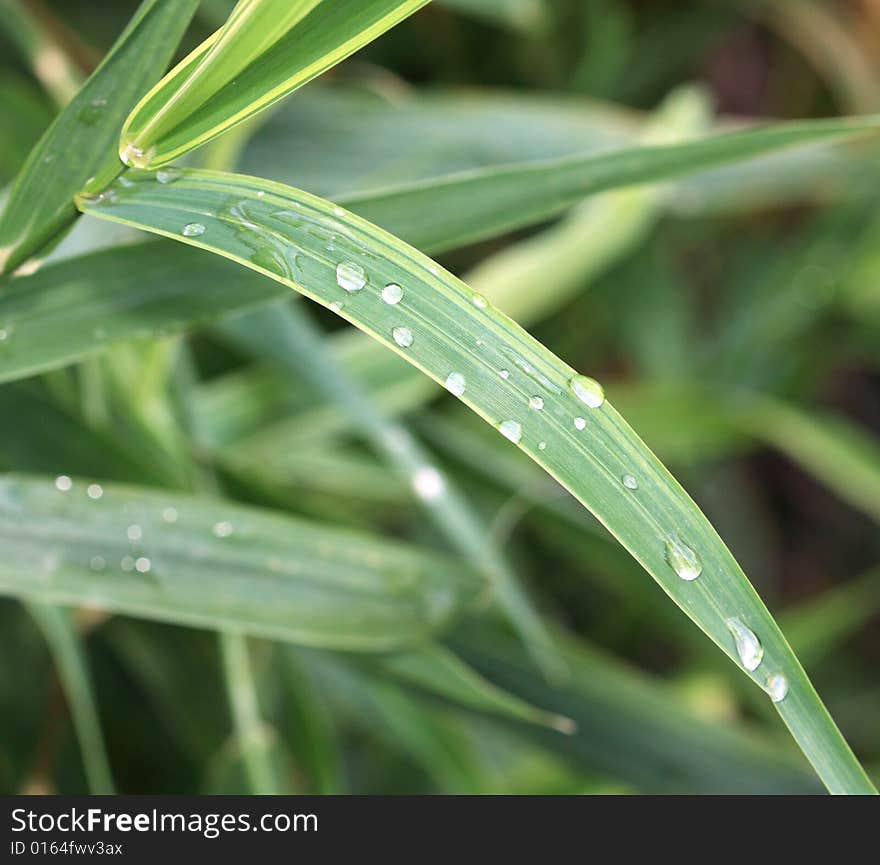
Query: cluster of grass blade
[175,557]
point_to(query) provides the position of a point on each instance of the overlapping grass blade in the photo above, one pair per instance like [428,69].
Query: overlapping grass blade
[174,558]
[79,145]
[440,326]
[266,50]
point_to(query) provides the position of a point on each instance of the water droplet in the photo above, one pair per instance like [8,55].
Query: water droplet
[97,563]
[350,276]
[134,532]
[428,484]
[336,306]
[222,529]
[630,482]
[193,229]
[108,196]
[95,491]
[392,293]
[580,423]
[260,193]
[683,560]
[536,403]
[479,301]
[134,156]
[167,175]
[63,483]
[142,565]
[338,211]
[127,563]
[588,391]
[511,430]
[542,446]
[748,646]
[4,334]
[402,336]
[777,687]
[456,383]
[169,515]
[504,373]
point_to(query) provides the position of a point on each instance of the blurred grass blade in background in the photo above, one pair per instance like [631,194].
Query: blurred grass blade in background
[176,558]
[266,49]
[560,418]
[79,145]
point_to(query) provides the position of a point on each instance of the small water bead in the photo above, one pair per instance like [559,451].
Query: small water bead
[95,491]
[222,529]
[511,430]
[336,306]
[504,373]
[542,446]
[683,560]
[167,175]
[193,229]
[63,483]
[402,336]
[629,482]
[142,565]
[580,423]
[479,301]
[169,515]
[338,211]
[392,293]
[536,403]
[134,533]
[127,563]
[350,276]
[777,687]
[588,391]
[456,383]
[98,563]
[748,646]
[428,484]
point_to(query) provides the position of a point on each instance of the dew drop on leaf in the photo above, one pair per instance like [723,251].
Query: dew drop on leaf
[193,229]
[456,383]
[392,293]
[777,687]
[350,276]
[511,430]
[588,391]
[683,560]
[748,646]
[402,336]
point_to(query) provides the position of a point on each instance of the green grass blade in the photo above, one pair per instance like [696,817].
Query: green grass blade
[80,143]
[196,561]
[70,660]
[287,336]
[252,735]
[267,49]
[442,328]
[437,670]
[481,203]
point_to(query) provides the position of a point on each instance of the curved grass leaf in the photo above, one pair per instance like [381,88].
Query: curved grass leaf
[79,145]
[175,558]
[440,326]
[265,50]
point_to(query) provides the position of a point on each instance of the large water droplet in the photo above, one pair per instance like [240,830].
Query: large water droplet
[580,423]
[777,687]
[193,229]
[392,293]
[511,430]
[683,560]
[536,403]
[63,483]
[456,383]
[588,391]
[350,276]
[95,491]
[748,646]
[402,336]
[142,565]
[630,482]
